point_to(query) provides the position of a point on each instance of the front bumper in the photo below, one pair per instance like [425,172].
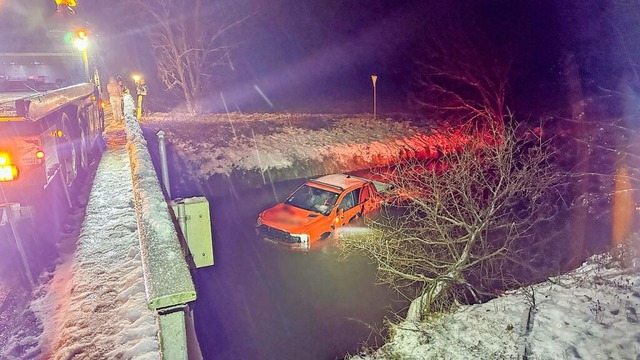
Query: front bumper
[283,237]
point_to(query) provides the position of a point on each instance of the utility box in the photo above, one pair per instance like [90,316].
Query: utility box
[195,222]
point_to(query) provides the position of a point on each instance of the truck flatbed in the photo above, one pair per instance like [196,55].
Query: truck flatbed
[8,102]
[29,106]
[13,96]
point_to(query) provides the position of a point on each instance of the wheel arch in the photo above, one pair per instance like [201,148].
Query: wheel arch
[73,113]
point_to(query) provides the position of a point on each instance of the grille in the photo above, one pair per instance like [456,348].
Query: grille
[277,234]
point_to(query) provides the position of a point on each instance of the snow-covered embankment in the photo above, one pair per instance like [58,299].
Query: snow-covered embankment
[592,312]
[251,150]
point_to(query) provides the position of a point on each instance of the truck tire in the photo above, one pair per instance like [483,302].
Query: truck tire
[326,235]
[68,152]
[83,141]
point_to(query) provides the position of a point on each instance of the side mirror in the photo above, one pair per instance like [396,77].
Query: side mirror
[341,212]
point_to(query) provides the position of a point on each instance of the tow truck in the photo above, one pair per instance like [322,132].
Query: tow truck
[46,135]
[51,122]
[318,208]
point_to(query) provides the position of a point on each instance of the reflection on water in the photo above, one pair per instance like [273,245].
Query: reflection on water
[264,301]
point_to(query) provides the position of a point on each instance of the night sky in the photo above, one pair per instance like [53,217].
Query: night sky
[318,54]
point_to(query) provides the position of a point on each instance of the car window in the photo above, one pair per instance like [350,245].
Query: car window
[349,200]
[364,195]
[313,199]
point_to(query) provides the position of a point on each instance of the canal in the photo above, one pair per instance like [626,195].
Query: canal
[264,301]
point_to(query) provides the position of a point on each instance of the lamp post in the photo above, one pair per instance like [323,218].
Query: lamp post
[82,43]
[374,78]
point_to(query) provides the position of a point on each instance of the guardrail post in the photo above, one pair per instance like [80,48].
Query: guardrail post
[173,337]
[182,219]
[164,168]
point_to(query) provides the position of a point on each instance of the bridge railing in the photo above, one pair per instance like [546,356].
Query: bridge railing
[167,279]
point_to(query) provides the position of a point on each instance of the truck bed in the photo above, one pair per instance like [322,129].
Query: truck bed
[21,106]
[13,96]
[8,102]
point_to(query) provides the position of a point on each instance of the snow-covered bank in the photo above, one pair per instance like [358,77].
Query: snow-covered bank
[274,147]
[589,313]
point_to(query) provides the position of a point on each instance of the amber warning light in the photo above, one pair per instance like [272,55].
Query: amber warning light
[8,171]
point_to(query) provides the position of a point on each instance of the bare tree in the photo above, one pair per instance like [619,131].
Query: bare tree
[458,214]
[460,80]
[188,42]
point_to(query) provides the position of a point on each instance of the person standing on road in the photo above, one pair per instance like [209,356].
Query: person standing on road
[141,90]
[115,98]
[123,88]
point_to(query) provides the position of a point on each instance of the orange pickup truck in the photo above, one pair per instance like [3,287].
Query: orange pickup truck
[319,207]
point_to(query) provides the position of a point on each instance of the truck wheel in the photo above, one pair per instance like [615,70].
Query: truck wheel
[68,152]
[83,140]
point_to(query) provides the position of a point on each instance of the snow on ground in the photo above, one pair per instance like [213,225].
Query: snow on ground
[217,144]
[94,305]
[589,313]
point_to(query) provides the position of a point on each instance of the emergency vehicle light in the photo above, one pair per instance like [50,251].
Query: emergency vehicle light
[8,172]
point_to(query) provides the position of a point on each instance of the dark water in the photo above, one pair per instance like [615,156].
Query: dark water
[264,301]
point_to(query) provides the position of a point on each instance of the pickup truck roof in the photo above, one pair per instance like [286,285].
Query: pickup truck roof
[338,181]
[342,182]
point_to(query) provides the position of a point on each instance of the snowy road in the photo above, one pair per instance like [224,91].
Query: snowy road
[95,303]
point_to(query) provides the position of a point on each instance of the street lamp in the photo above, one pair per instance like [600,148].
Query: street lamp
[81,42]
[374,78]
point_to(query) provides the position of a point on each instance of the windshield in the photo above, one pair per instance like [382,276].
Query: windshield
[313,199]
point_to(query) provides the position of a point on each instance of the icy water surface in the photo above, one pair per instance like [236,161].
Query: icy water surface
[263,301]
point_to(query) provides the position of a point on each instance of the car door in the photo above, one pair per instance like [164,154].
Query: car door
[349,206]
[367,199]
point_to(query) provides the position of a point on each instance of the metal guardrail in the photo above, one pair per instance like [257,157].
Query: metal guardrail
[168,283]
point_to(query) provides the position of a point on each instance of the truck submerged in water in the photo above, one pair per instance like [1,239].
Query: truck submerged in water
[319,207]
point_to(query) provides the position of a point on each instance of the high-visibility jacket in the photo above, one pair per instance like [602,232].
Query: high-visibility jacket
[69,3]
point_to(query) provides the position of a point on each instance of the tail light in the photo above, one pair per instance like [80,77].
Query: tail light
[8,171]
